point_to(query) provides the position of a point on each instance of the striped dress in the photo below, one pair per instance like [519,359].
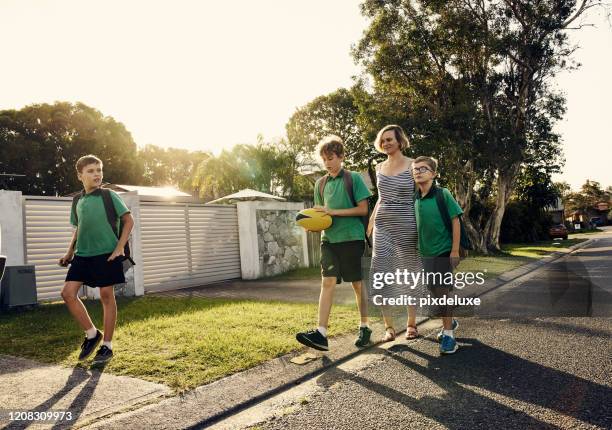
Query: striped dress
[395,233]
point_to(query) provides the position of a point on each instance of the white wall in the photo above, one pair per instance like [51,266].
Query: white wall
[11,227]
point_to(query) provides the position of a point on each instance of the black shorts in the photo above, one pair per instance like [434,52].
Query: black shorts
[96,271]
[342,260]
[440,266]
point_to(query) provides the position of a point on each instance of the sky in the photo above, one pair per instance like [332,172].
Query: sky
[206,75]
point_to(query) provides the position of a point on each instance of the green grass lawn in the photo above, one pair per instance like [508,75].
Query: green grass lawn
[187,342]
[179,342]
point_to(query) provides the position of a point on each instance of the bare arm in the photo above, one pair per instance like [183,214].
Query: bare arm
[456,236]
[360,210]
[70,252]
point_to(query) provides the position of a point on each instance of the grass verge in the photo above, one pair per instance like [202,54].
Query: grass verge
[180,342]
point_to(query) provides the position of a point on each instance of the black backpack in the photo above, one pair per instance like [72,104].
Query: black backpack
[464,242]
[111,217]
[348,185]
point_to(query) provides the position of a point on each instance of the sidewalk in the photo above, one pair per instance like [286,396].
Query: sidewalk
[105,401]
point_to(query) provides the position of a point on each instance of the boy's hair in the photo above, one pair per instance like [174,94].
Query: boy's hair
[431,162]
[85,160]
[331,144]
[400,136]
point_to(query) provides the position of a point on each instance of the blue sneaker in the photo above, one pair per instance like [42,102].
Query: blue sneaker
[448,345]
[454,327]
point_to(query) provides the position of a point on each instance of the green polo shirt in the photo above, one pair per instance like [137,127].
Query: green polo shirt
[95,235]
[343,228]
[434,238]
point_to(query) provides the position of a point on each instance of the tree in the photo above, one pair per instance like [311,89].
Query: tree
[471,81]
[170,166]
[335,113]
[261,167]
[44,141]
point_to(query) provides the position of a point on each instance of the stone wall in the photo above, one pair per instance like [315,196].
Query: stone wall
[279,241]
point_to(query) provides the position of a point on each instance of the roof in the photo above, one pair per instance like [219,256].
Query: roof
[149,191]
[246,194]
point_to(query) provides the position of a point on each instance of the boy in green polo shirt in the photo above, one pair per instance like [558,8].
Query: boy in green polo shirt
[342,244]
[95,257]
[439,249]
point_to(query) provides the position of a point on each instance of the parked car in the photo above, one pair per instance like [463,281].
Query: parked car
[558,230]
[598,221]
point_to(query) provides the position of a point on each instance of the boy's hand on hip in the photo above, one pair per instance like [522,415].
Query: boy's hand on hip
[66,259]
[116,253]
[455,259]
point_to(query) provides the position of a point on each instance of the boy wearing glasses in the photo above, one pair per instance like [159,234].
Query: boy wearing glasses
[439,248]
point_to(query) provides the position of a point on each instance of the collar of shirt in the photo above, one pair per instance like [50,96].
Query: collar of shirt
[430,193]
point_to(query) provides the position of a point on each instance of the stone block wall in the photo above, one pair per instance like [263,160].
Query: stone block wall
[279,241]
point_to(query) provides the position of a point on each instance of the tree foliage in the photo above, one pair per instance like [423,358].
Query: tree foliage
[471,82]
[44,141]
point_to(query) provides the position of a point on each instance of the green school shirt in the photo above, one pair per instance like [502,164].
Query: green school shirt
[343,228]
[434,238]
[95,235]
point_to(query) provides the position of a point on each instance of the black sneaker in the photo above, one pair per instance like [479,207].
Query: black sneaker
[313,339]
[88,345]
[364,336]
[103,355]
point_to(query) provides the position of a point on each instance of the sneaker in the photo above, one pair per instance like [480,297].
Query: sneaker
[103,355]
[313,339]
[364,337]
[88,345]
[454,327]
[448,345]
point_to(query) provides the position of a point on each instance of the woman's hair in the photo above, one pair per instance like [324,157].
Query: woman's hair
[400,136]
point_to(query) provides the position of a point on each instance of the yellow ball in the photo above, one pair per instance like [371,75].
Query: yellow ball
[313,220]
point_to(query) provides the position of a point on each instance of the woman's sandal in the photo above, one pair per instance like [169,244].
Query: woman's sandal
[389,334]
[411,332]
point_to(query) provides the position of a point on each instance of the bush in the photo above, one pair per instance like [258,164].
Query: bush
[524,224]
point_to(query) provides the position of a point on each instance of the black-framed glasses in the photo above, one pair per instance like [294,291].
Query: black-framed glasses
[421,169]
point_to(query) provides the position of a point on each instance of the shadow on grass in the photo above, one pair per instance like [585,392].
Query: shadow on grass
[50,327]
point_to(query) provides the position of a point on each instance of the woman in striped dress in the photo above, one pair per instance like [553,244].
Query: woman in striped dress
[394,225]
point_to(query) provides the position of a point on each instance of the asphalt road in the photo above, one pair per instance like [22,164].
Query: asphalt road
[539,358]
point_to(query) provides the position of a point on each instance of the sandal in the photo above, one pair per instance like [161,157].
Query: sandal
[389,334]
[411,332]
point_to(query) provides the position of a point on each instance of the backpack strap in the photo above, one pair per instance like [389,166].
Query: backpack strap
[322,184]
[443,208]
[348,184]
[109,207]
[111,216]
[75,200]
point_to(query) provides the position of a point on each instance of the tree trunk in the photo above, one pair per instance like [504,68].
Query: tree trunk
[505,183]
[464,191]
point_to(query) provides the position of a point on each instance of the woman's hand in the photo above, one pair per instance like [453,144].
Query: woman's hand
[370,228]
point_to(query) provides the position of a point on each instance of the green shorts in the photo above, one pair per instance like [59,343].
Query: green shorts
[342,260]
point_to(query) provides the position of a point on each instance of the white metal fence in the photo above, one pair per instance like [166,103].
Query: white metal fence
[182,244]
[188,244]
[46,238]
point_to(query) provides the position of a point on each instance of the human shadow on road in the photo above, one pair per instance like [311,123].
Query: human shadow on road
[76,408]
[481,384]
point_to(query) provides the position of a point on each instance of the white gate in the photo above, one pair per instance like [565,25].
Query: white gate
[188,244]
[182,244]
[47,236]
